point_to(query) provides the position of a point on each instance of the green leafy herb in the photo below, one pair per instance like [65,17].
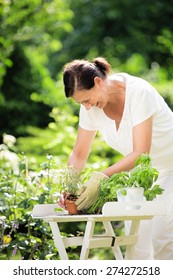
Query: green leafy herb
[142,175]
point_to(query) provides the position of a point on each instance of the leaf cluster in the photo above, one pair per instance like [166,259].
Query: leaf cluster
[142,175]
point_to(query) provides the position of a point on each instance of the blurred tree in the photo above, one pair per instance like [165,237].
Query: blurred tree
[18,109]
[29,33]
[118,29]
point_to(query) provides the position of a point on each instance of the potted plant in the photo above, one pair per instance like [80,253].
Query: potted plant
[68,183]
[141,179]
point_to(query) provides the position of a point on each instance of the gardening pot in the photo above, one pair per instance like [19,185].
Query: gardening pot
[71,206]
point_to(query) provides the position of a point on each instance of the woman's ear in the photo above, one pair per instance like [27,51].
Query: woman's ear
[98,81]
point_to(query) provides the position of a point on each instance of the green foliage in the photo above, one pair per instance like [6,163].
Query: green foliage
[142,175]
[21,237]
[57,139]
[27,89]
[31,22]
[15,85]
[110,29]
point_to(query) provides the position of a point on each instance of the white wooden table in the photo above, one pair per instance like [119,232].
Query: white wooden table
[112,211]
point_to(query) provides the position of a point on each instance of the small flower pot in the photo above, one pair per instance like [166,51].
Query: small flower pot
[71,206]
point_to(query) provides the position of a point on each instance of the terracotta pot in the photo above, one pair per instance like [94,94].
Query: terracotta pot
[71,206]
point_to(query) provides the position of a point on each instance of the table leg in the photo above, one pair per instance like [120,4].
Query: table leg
[115,248]
[133,231]
[86,241]
[58,240]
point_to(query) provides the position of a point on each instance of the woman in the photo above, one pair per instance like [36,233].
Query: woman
[133,119]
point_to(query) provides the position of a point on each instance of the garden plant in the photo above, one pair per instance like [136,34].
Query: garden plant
[143,175]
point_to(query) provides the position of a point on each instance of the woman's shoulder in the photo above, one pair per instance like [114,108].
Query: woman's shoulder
[131,80]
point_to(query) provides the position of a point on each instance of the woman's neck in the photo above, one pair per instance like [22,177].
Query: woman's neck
[116,90]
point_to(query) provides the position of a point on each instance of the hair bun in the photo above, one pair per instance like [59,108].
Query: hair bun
[102,64]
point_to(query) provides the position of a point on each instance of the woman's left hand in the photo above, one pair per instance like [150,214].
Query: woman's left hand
[61,201]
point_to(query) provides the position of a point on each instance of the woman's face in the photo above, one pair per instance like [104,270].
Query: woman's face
[96,96]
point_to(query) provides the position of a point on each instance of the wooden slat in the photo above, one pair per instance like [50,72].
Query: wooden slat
[73,241]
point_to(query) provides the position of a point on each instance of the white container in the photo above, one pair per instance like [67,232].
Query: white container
[131,195]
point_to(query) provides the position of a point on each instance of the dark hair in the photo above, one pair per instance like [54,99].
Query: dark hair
[79,74]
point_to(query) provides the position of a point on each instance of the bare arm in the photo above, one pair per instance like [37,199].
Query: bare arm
[81,149]
[142,135]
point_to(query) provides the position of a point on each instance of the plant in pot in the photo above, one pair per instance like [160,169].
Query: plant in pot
[68,182]
[141,178]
